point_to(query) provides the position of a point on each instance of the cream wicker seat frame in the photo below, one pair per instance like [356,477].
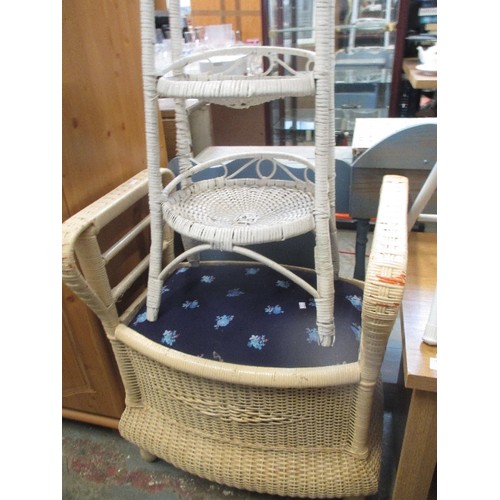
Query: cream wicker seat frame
[301,432]
[305,432]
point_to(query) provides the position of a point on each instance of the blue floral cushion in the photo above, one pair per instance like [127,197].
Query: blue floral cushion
[252,315]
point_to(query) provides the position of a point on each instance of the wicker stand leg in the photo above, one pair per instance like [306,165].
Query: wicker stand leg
[148,457]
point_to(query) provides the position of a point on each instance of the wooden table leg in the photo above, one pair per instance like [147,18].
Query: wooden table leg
[418,453]
[362,229]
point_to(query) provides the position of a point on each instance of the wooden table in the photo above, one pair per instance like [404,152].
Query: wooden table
[419,80]
[418,454]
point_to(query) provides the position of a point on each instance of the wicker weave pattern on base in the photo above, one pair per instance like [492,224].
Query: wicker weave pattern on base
[288,442]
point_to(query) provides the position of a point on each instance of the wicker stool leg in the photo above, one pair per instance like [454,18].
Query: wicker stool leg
[148,457]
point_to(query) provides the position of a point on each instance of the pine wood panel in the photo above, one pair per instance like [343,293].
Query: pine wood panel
[417,303]
[90,381]
[103,146]
[243,15]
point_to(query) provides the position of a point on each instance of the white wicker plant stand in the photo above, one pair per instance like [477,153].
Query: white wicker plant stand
[262,208]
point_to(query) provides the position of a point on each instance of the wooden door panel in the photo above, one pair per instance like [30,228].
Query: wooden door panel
[90,380]
[243,15]
[103,146]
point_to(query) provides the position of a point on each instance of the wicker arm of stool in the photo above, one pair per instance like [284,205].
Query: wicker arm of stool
[386,274]
[382,295]
[83,262]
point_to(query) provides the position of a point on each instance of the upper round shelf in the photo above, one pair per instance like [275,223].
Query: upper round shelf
[240,76]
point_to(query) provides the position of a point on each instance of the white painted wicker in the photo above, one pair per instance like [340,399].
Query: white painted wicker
[251,79]
[312,432]
[232,211]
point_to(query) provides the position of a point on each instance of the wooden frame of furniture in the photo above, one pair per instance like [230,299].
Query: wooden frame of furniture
[103,145]
[418,457]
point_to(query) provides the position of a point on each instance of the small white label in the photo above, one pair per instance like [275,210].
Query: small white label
[302,305]
[433,364]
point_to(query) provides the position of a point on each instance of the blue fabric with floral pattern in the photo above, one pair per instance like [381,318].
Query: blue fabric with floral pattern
[252,315]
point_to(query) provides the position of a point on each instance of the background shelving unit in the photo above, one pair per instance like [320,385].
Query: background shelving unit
[366,41]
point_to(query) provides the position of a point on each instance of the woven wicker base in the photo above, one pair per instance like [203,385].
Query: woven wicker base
[268,440]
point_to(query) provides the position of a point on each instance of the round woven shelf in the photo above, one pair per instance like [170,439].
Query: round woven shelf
[242,213]
[238,91]
[251,75]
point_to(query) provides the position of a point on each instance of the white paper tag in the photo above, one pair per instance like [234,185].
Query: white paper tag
[433,363]
[302,305]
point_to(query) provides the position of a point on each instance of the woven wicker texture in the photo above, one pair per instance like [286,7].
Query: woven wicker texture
[289,441]
[264,198]
[306,432]
[233,205]
[243,83]
[233,211]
